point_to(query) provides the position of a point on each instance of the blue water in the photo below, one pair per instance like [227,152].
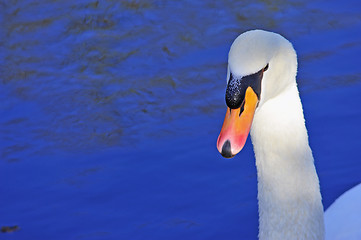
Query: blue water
[110,113]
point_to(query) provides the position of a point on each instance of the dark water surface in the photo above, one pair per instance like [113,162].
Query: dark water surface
[110,111]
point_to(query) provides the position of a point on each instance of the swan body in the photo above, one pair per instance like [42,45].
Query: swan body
[343,217]
[289,198]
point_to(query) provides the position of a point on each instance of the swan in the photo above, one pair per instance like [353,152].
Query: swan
[262,99]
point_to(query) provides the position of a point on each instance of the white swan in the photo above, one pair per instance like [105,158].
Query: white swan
[262,93]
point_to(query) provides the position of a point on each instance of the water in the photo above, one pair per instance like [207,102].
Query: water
[110,113]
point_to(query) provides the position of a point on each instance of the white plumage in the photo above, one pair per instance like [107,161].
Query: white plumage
[289,196]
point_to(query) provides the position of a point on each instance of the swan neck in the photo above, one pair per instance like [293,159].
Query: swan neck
[289,198]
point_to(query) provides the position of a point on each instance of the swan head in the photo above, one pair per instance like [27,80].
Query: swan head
[261,65]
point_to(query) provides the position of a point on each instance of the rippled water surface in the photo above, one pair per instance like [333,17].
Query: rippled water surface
[110,111]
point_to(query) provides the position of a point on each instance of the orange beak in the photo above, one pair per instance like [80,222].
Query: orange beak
[236,126]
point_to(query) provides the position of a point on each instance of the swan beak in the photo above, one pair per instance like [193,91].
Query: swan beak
[236,126]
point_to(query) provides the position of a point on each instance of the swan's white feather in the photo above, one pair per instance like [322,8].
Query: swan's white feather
[343,217]
[289,196]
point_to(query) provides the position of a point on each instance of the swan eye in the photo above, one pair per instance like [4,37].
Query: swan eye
[265,68]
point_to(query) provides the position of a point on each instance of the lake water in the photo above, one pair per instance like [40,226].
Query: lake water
[110,112]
